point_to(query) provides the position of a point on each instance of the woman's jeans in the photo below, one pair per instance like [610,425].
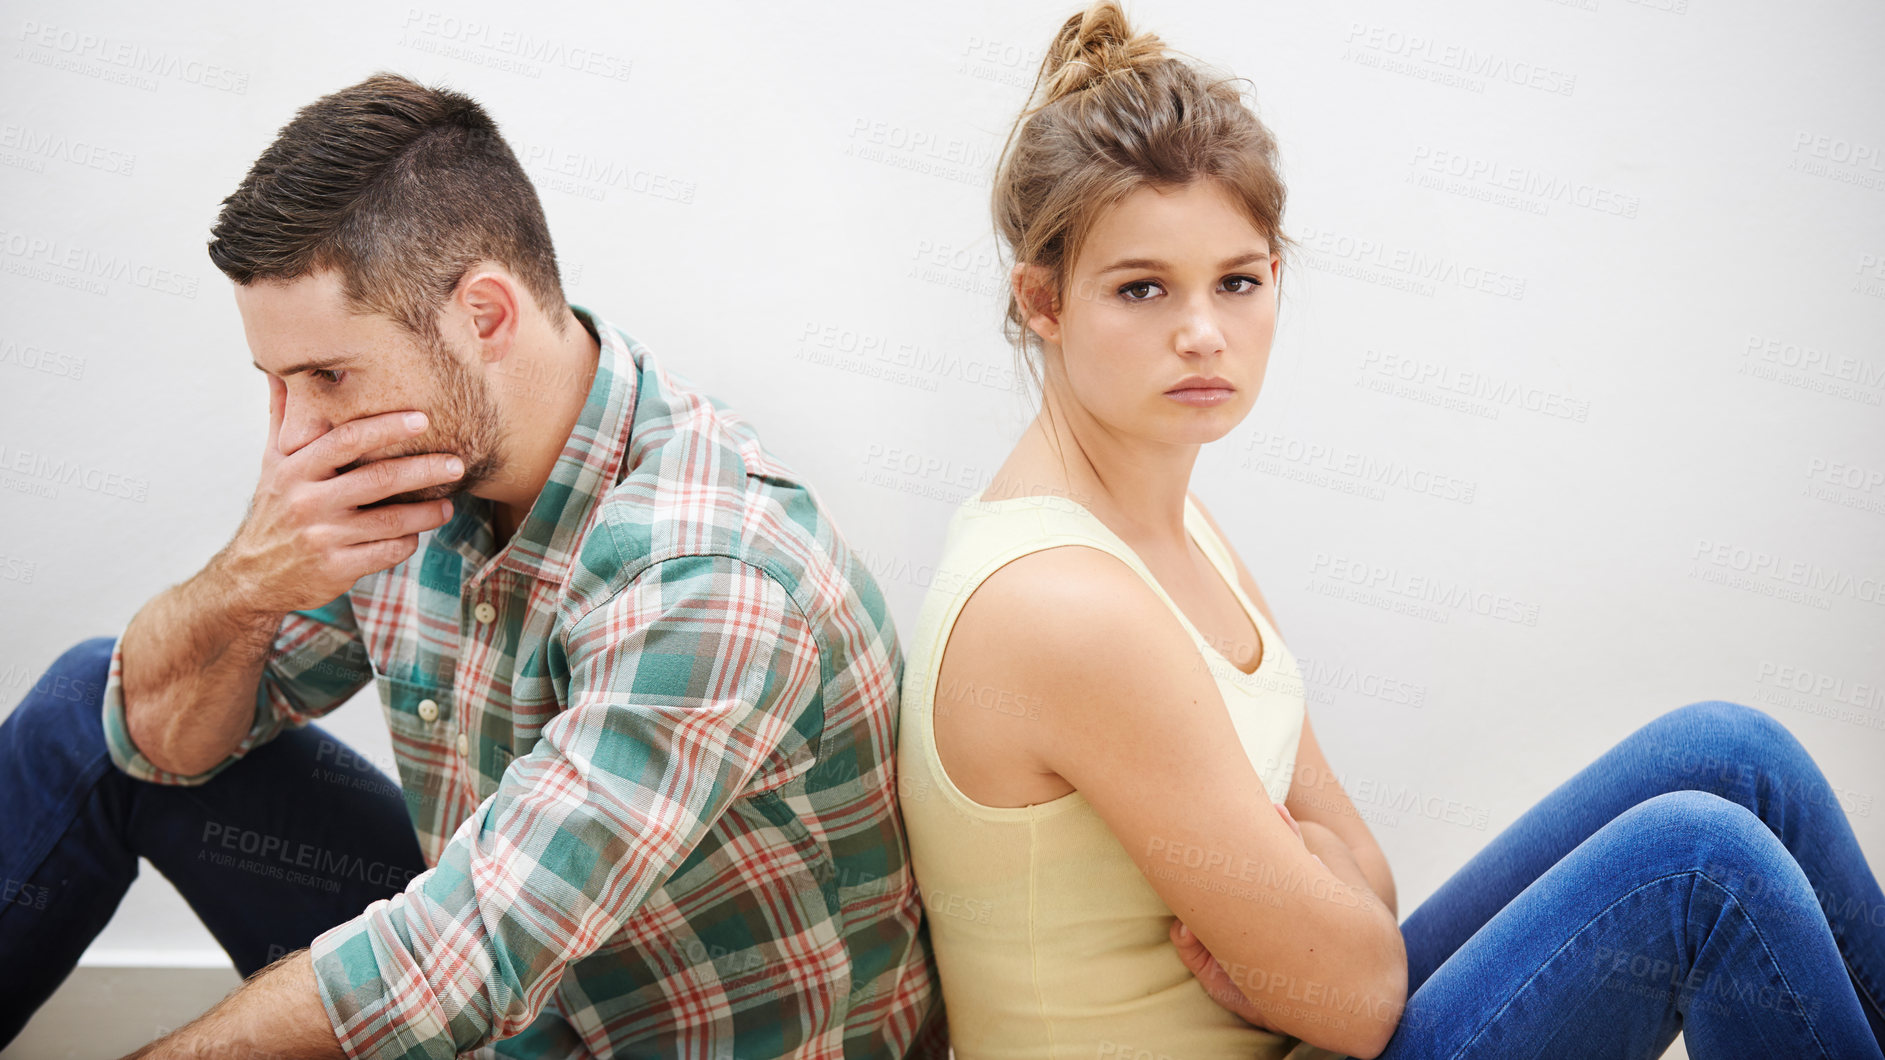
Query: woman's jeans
[1700,876]
[296,836]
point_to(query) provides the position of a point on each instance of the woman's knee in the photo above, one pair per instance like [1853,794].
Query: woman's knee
[1718,841]
[1733,722]
[1694,818]
[1717,745]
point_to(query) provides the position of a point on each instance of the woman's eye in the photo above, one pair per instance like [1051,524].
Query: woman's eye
[1251,280]
[1142,284]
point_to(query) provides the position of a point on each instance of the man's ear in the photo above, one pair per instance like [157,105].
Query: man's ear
[1034,290]
[489,304]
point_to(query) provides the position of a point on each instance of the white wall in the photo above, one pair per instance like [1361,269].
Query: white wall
[1673,469]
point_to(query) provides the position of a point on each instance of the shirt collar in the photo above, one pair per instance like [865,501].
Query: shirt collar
[545,543]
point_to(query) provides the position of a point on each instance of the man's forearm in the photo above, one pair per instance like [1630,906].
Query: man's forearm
[192,659]
[275,1013]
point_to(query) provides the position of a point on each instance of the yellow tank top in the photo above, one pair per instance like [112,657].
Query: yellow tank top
[1049,941]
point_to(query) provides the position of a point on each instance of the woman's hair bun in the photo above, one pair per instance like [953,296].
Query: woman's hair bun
[1091,46]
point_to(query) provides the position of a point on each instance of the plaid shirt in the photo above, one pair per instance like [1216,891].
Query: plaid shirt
[648,746]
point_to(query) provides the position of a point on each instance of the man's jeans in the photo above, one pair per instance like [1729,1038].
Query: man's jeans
[295,837]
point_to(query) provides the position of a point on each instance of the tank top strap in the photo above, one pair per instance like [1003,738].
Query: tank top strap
[1004,530]
[1046,520]
[1215,548]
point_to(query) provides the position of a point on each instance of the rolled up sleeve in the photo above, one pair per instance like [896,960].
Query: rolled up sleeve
[695,678]
[316,663]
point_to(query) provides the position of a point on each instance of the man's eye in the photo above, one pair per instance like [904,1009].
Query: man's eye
[1137,286]
[327,375]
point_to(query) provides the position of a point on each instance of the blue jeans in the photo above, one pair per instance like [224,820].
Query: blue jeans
[295,837]
[1700,876]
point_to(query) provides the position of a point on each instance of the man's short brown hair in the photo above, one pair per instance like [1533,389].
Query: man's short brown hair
[401,189]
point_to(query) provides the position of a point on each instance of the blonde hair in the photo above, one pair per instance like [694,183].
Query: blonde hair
[1113,110]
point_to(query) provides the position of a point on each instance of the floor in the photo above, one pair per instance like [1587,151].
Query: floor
[109,1011]
[104,1011]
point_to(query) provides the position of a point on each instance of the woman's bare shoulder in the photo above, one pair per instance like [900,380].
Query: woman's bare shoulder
[1074,630]
[1059,600]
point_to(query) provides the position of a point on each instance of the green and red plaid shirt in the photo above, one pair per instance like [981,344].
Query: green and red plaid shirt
[648,745]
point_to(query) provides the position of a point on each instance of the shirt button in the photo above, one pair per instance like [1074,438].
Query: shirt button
[464,745]
[484,612]
[429,709]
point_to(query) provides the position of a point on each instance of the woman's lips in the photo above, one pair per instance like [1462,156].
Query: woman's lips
[1201,395]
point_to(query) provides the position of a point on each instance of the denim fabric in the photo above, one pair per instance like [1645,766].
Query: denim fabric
[299,835]
[1700,876]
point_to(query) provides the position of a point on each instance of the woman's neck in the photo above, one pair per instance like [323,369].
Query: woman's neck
[1137,489]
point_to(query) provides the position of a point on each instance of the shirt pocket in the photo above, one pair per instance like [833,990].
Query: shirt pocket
[419,719]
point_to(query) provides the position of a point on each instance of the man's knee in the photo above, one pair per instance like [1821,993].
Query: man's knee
[68,698]
[84,667]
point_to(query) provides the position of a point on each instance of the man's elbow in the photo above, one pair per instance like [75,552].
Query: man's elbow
[149,739]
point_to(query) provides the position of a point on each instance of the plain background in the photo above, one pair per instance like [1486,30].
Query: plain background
[1576,411]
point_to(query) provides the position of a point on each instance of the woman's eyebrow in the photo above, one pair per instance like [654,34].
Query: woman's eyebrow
[1154,263]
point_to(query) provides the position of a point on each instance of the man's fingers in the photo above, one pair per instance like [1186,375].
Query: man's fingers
[379,555]
[394,521]
[381,479]
[354,439]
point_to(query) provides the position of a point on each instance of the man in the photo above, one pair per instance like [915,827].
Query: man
[641,692]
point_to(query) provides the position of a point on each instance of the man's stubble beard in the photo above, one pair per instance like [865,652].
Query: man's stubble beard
[465,423]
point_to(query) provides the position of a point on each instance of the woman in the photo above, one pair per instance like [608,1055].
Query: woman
[1128,838]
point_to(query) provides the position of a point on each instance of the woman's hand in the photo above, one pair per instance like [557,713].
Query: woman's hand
[1210,974]
[1297,828]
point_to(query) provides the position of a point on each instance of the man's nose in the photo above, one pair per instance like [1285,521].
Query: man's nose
[300,424]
